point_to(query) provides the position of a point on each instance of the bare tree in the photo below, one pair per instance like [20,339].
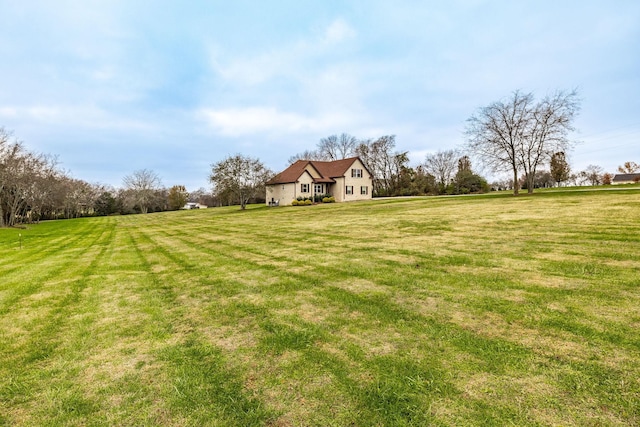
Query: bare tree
[548,128]
[141,186]
[496,132]
[241,176]
[328,147]
[346,145]
[306,155]
[593,174]
[383,162]
[442,165]
[520,135]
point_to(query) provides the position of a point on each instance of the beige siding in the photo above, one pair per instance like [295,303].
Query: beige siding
[304,179]
[312,171]
[356,183]
[284,193]
[338,190]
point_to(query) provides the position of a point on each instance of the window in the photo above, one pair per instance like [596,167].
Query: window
[349,189]
[356,173]
[304,188]
[318,188]
[364,190]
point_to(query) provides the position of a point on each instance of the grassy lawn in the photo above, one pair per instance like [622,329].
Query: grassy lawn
[480,310]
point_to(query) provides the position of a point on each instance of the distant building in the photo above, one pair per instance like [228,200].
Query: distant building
[193,205]
[345,180]
[626,178]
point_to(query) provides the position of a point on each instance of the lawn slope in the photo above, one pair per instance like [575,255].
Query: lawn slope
[481,310]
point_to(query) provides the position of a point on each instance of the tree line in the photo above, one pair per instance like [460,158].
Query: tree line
[33,187]
[518,135]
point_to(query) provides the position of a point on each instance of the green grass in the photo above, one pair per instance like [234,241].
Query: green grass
[446,311]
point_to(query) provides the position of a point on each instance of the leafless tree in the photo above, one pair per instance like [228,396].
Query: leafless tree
[548,129]
[593,174]
[496,132]
[442,165]
[519,135]
[306,155]
[141,186]
[383,162]
[330,148]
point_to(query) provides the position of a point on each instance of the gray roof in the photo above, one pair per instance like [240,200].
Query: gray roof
[626,177]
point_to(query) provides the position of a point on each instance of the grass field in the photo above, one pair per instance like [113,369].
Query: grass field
[481,310]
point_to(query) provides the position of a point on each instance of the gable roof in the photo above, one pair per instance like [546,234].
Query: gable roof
[626,177]
[327,170]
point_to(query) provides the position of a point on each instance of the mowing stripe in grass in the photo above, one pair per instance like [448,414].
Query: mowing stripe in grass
[37,364]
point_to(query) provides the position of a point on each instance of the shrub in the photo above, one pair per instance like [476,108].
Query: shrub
[294,203]
[329,199]
[308,202]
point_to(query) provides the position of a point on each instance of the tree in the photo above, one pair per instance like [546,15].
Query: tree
[244,177]
[442,165]
[384,163]
[547,132]
[306,155]
[495,133]
[178,197]
[105,204]
[629,167]
[330,148]
[607,178]
[141,186]
[593,174]
[466,181]
[559,166]
[520,135]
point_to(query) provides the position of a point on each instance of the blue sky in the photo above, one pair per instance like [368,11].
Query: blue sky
[115,86]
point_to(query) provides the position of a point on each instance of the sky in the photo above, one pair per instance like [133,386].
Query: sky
[115,86]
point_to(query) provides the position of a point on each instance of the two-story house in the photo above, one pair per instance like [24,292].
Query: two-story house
[345,180]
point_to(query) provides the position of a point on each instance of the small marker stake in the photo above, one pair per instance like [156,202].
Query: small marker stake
[20,234]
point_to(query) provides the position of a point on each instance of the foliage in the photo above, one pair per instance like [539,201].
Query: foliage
[629,167]
[241,177]
[178,197]
[559,167]
[466,181]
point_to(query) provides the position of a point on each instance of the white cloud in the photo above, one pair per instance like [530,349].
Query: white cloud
[338,31]
[268,120]
[86,116]
[290,60]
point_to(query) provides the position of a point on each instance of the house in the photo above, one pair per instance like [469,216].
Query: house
[626,178]
[345,180]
